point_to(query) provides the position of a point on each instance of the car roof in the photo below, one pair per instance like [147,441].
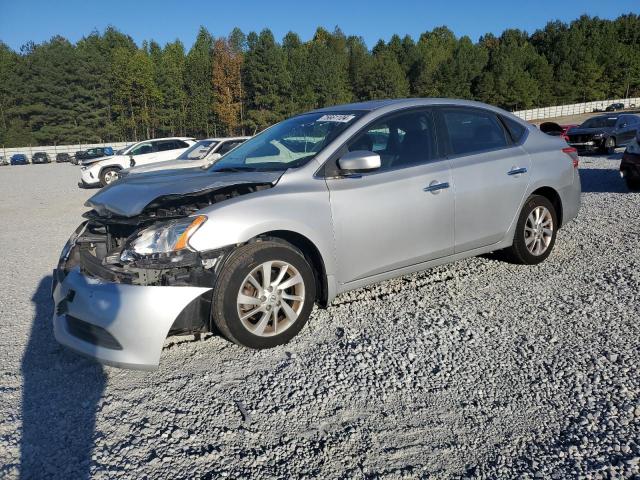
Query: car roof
[372,105]
[163,138]
[223,139]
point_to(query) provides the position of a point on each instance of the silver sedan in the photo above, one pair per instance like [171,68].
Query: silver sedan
[319,204]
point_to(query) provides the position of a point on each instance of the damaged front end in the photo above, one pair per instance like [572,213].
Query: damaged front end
[151,249]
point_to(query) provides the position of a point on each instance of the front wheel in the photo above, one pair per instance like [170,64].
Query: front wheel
[264,294]
[535,232]
[109,175]
[633,184]
[610,146]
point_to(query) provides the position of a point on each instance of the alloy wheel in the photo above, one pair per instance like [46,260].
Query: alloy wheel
[270,298]
[110,176]
[538,230]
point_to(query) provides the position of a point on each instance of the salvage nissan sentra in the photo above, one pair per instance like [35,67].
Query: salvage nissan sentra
[316,205]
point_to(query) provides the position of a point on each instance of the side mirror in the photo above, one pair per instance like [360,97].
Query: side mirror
[359,161]
[132,162]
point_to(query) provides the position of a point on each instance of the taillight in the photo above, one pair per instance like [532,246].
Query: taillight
[573,153]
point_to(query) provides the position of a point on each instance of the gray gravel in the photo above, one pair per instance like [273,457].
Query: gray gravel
[477,369]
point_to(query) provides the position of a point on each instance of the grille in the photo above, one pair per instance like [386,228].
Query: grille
[580,138]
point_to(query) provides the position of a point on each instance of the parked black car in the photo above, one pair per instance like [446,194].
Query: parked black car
[602,134]
[63,157]
[40,157]
[614,107]
[19,159]
[630,164]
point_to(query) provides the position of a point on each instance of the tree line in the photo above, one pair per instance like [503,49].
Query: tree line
[106,88]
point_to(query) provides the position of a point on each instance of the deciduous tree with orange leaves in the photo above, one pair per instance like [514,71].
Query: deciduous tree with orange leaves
[227,86]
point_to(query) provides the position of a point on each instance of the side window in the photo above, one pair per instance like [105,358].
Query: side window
[473,130]
[401,140]
[516,129]
[180,144]
[142,149]
[226,146]
[167,145]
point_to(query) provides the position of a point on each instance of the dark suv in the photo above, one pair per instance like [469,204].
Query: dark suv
[40,157]
[602,134]
[63,158]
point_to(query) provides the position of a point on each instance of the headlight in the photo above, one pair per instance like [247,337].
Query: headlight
[83,168]
[598,135]
[164,238]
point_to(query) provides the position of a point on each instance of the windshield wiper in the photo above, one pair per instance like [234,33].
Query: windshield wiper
[234,169]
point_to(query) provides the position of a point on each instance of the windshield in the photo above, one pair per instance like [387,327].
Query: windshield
[600,122]
[122,151]
[198,151]
[288,144]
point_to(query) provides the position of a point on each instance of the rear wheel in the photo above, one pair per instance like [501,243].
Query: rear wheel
[264,294]
[535,232]
[109,175]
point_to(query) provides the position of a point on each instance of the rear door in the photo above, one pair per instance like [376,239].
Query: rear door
[170,149]
[490,173]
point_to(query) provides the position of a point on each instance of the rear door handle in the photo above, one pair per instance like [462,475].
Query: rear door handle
[435,187]
[517,171]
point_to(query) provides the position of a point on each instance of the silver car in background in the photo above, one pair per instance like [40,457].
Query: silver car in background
[314,206]
[202,154]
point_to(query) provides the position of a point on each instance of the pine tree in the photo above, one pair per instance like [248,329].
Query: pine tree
[199,90]
[267,81]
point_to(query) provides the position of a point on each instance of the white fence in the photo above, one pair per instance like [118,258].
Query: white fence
[574,109]
[52,151]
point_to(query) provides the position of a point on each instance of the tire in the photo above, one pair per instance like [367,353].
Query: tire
[609,146]
[257,331]
[633,184]
[106,176]
[519,251]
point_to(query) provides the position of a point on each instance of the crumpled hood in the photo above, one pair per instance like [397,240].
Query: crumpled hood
[166,165]
[91,161]
[129,196]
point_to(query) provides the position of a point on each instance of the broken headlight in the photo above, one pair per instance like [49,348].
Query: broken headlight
[163,238]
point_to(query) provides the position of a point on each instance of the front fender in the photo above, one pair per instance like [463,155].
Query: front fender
[305,211]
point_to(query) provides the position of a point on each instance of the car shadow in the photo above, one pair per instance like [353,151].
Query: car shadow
[602,180]
[60,395]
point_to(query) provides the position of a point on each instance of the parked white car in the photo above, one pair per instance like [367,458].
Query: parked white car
[203,154]
[106,171]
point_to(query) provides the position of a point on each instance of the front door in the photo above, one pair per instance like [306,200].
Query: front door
[401,214]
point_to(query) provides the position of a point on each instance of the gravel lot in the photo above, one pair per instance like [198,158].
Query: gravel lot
[477,369]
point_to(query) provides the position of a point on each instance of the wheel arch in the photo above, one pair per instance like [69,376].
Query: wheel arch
[312,252]
[554,197]
[114,166]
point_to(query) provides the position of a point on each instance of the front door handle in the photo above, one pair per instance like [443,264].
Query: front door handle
[517,171]
[435,187]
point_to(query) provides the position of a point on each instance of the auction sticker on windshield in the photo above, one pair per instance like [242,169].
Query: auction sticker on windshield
[336,118]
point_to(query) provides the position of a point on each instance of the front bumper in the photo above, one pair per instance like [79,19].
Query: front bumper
[88,179]
[586,147]
[117,324]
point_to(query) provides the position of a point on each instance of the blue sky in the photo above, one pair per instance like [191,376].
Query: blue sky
[163,21]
